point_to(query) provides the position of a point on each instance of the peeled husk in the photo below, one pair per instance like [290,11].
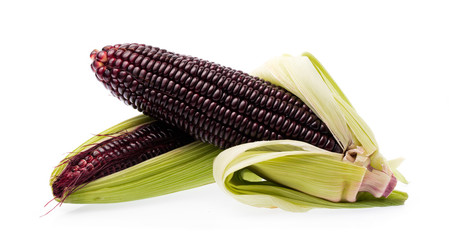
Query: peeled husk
[297,176]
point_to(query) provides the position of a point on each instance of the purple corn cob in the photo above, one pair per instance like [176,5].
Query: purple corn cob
[117,153]
[212,103]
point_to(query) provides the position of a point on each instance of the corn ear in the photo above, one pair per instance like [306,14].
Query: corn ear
[210,102]
[185,167]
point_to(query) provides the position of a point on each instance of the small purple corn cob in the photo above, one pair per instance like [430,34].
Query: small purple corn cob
[117,153]
[212,103]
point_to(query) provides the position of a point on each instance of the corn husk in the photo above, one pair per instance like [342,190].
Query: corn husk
[297,176]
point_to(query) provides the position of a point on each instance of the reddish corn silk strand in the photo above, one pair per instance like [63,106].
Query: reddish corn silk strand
[212,103]
[118,153]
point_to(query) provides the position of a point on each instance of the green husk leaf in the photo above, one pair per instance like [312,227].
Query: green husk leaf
[298,76]
[293,176]
[184,168]
[394,164]
[305,77]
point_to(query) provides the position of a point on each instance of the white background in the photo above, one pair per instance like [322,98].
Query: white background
[391,58]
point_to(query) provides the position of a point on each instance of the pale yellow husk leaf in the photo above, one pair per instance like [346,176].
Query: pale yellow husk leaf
[296,176]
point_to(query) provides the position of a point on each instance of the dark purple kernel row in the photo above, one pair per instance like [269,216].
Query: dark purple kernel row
[212,103]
